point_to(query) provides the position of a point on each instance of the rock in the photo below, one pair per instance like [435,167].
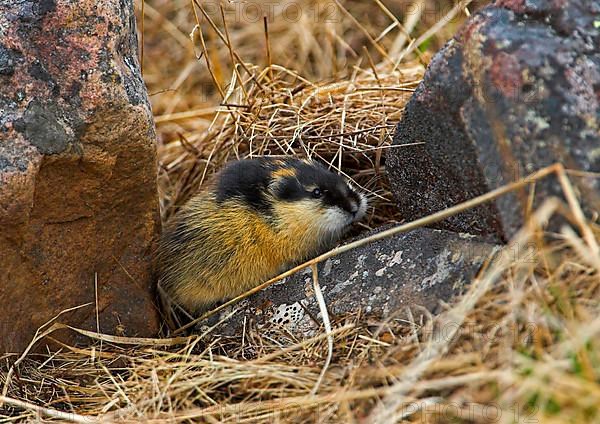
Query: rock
[78,196]
[517,89]
[407,271]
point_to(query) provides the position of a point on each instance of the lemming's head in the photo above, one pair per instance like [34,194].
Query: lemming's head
[295,192]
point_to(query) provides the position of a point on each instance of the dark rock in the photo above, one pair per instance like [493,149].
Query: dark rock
[43,128]
[517,89]
[78,197]
[407,271]
[8,60]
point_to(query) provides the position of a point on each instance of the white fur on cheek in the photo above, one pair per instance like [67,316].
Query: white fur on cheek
[334,222]
[362,207]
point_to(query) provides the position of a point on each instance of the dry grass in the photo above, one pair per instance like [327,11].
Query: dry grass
[521,345]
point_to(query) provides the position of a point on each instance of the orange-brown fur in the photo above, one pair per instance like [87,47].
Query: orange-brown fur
[262,249]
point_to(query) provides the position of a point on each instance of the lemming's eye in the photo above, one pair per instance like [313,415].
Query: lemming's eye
[316,193]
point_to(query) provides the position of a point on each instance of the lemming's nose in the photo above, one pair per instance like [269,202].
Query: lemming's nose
[353,207]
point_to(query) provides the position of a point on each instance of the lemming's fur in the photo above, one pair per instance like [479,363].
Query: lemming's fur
[258,217]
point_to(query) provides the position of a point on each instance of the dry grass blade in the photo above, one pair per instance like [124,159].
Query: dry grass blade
[66,416]
[326,322]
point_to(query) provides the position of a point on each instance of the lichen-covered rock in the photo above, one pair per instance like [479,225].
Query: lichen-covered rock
[517,89]
[78,198]
[406,271]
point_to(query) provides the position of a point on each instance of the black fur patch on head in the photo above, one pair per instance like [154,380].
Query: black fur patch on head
[246,180]
[343,197]
[289,189]
[249,180]
[335,191]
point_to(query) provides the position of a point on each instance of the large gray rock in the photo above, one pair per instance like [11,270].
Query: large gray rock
[517,89]
[407,271]
[78,196]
